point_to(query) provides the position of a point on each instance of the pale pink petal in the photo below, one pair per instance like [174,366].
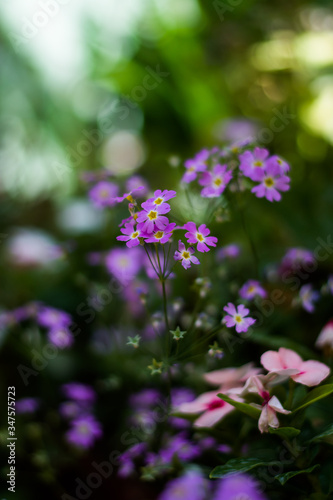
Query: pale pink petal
[275,404]
[211,417]
[311,373]
[271,361]
[289,358]
[199,404]
[268,419]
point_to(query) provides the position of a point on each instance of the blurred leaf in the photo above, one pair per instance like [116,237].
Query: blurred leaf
[238,465]
[318,437]
[283,478]
[277,342]
[243,407]
[315,395]
[285,432]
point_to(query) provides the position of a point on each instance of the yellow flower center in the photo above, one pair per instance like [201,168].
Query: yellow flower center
[158,201]
[152,215]
[218,182]
[159,235]
[104,193]
[238,319]
[200,237]
[258,163]
[269,182]
[134,235]
[250,289]
[130,198]
[186,255]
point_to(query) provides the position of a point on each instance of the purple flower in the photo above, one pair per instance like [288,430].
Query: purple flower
[79,392]
[252,289]
[52,318]
[231,251]
[136,181]
[191,486]
[127,196]
[161,236]
[125,264]
[70,409]
[284,166]
[295,258]
[195,165]
[237,317]
[153,216]
[215,181]
[238,486]
[272,180]
[145,398]
[103,193]
[84,431]
[27,405]
[60,337]
[130,235]
[199,236]
[307,297]
[183,448]
[159,198]
[252,164]
[185,255]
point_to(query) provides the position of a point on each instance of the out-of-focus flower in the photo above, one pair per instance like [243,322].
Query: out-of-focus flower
[27,405]
[288,362]
[103,193]
[231,251]
[325,339]
[213,409]
[238,487]
[135,182]
[32,248]
[125,264]
[252,289]
[128,196]
[145,398]
[79,392]
[295,258]
[252,164]
[272,181]
[195,165]
[84,431]
[190,486]
[215,181]
[199,236]
[237,317]
[70,409]
[60,337]
[308,296]
[227,378]
[185,255]
[52,318]
[180,446]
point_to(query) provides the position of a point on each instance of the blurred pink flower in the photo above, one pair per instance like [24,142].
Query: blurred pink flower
[213,409]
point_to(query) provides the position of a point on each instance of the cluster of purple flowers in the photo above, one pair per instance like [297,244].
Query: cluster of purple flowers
[78,410]
[58,324]
[269,172]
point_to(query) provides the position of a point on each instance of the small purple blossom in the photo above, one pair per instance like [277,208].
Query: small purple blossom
[272,181]
[60,337]
[252,289]
[52,318]
[181,447]
[153,217]
[191,486]
[231,251]
[103,193]
[125,263]
[199,236]
[238,486]
[252,164]
[295,258]
[215,182]
[70,409]
[27,405]
[131,235]
[158,199]
[161,236]
[307,297]
[195,165]
[185,255]
[237,317]
[145,398]
[284,166]
[127,196]
[79,392]
[136,181]
[84,431]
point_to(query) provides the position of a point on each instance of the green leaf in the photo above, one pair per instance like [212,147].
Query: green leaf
[238,465]
[315,395]
[285,432]
[318,437]
[243,407]
[283,478]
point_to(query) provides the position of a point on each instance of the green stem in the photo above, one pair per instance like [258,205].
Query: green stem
[292,386]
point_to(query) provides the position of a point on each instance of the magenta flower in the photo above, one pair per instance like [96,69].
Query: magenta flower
[272,180]
[307,297]
[238,486]
[284,166]
[212,407]
[27,405]
[185,255]
[161,236]
[152,217]
[237,317]
[215,181]
[190,486]
[79,392]
[195,165]
[252,289]
[288,362]
[103,194]
[159,198]
[199,236]
[253,163]
[125,264]
[130,235]
[60,337]
[52,318]
[84,431]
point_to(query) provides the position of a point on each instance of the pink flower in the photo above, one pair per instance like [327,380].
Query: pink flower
[237,317]
[325,338]
[286,361]
[272,180]
[103,193]
[252,164]
[131,235]
[195,165]
[158,198]
[210,405]
[228,378]
[199,236]
[252,289]
[215,181]
[185,255]
[161,236]
[152,217]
